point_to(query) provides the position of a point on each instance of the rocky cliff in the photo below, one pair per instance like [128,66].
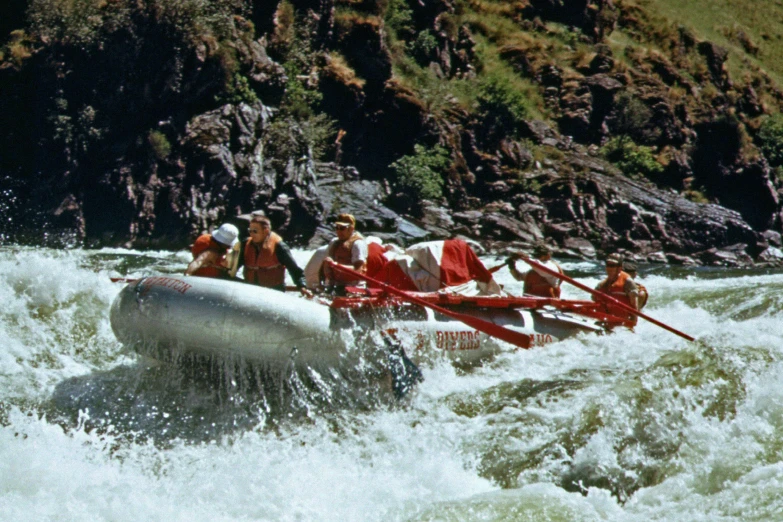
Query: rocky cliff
[143,123]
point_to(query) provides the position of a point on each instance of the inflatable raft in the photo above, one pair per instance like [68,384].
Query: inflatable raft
[168,316]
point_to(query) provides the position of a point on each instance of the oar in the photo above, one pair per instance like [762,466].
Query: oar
[493,330]
[602,296]
[496,268]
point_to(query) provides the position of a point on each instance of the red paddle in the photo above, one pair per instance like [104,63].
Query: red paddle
[602,296]
[493,330]
[496,268]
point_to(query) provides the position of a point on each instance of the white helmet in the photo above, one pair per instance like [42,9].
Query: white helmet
[226,234]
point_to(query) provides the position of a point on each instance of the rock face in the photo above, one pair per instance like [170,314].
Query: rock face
[147,137]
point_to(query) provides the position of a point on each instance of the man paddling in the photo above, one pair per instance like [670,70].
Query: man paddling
[210,251]
[266,257]
[538,282]
[619,285]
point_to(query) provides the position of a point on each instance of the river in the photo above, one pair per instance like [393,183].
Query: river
[632,426]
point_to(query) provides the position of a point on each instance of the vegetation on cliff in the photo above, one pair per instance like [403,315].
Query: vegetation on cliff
[204,109]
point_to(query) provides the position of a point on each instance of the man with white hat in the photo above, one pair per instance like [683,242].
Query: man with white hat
[209,253]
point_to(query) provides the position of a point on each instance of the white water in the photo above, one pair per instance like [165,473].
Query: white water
[677,430]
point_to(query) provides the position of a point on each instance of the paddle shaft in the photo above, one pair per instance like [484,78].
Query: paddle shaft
[496,268]
[493,330]
[604,297]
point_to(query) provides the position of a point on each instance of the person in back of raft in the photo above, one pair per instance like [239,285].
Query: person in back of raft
[630,268]
[538,282]
[620,285]
[266,257]
[210,253]
[348,249]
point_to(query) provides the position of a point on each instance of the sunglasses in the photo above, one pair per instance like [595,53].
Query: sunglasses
[342,227]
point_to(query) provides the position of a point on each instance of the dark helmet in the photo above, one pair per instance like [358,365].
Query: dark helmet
[541,250]
[614,260]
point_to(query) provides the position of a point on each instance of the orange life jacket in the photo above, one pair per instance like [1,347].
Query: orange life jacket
[203,243]
[617,290]
[536,284]
[340,252]
[261,264]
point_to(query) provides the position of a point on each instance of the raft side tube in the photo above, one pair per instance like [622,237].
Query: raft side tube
[214,317]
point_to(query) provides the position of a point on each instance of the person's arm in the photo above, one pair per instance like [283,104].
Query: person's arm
[511,262]
[241,263]
[632,291]
[234,258]
[285,257]
[205,258]
[600,287]
[359,253]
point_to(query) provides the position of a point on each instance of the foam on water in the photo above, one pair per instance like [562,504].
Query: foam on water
[622,427]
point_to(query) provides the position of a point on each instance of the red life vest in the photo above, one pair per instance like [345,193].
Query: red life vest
[536,284]
[340,252]
[261,264]
[203,243]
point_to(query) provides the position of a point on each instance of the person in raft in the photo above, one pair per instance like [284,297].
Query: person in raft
[265,258]
[538,282]
[620,285]
[349,249]
[629,267]
[211,253]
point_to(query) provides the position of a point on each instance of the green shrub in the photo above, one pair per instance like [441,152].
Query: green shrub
[770,139]
[86,22]
[633,160]
[424,46]
[501,104]
[160,144]
[696,196]
[238,90]
[288,137]
[632,118]
[298,58]
[398,18]
[298,128]
[420,175]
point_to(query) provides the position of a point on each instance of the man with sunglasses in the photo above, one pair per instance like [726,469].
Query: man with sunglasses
[266,257]
[349,249]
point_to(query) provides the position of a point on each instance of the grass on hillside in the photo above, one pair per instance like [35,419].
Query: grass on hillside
[752,30]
